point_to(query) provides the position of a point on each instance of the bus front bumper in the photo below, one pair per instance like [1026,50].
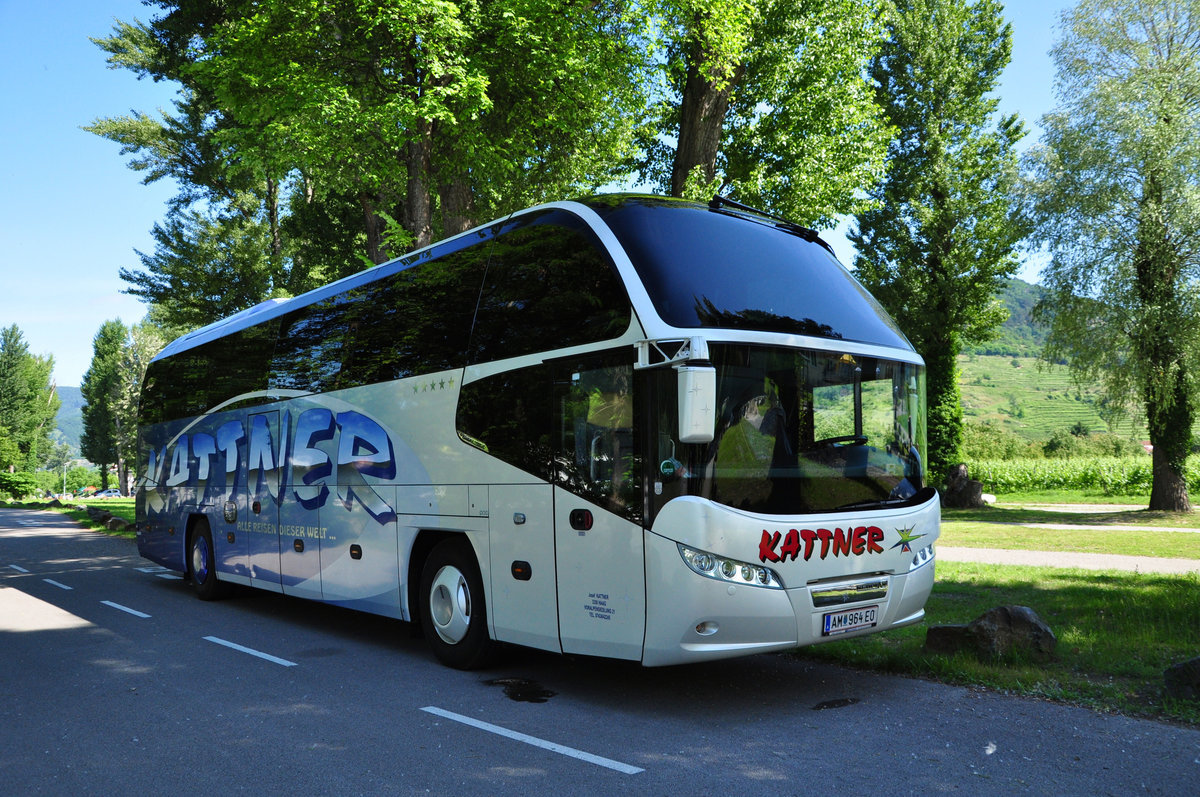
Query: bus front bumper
[691,618]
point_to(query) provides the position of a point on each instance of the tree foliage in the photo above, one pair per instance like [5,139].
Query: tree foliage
[28,403]
[313,138]
[940,242]
[98,443]
[111,389]
[767,102]
[1115,191]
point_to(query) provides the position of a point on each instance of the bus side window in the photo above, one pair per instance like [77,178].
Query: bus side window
[550,284]
[308,355]
[569,422]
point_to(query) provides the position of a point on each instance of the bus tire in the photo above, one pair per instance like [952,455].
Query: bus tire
[202,563]
[453,614]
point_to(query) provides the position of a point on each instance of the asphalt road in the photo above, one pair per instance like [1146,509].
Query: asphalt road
[114,679]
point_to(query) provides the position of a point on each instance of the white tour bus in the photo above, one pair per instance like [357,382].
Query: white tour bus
[626,426]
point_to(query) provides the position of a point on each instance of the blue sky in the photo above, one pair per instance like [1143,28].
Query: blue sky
[72,213]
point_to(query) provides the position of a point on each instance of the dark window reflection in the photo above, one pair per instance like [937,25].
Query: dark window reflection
[706,268]
[221,373]
[549,285]
[569,422]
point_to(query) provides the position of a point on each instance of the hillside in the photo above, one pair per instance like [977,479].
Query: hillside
[1018,336]
[70,415]
[1030,398]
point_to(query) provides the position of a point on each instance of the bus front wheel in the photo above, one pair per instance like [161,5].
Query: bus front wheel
[452,606]
[202,563]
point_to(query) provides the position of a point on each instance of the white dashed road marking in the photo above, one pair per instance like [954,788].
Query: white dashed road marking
[251,651]
[536,742]
[125,609]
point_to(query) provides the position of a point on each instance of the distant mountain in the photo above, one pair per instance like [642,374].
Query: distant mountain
[1018,336]
[70,414]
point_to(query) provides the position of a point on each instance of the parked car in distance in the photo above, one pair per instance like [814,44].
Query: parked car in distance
[111,492]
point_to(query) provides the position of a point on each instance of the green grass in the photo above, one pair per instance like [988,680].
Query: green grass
[1071,497]
[1004,513]
[1166,545]
[1116,632]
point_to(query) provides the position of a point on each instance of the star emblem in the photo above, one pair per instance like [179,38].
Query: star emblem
[906,539]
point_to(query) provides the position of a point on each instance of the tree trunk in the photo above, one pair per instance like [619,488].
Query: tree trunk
[1169,492]
[944,408]
[418,202]
[458,205]
[1169,408]
[374,227]
[702,112]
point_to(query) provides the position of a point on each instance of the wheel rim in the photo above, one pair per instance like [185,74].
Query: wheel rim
[450,605]
[200,559]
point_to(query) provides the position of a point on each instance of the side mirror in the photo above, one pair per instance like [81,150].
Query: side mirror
[697,403]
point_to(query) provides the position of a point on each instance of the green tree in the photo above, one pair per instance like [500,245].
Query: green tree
[142,342]
[28,403]
[767,102]
[98,442]
[222,247]
[205,268]
[304,128]
[940,242]
[1115,189]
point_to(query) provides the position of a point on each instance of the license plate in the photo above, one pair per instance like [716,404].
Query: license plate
[850,620]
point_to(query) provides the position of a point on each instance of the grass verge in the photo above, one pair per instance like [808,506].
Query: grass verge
[1075,497]
[119,507]
[1034,514]
[1117,632]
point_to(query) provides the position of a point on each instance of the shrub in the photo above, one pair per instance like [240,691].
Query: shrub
[1109,475]
[987,440]
[17,485]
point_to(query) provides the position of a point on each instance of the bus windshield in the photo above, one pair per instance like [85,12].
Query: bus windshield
[802,431]
[707,269]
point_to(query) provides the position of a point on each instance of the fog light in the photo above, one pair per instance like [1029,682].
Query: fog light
[707,628]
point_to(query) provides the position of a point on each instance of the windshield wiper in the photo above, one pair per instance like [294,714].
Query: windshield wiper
[718,202]
[874,504]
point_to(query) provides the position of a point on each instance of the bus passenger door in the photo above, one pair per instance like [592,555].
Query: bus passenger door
[524,606]
[601,580]
[599,546]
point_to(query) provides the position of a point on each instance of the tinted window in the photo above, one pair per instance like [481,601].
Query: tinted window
[414,321]
[704,268]
[308,356]
[218,373]
[417,321]
[550,284]
[572,422]
[508,416]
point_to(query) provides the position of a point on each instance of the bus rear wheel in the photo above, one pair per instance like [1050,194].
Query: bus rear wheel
[452,606]
[202,563]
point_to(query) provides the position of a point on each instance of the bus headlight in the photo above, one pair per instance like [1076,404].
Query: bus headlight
[730,571]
